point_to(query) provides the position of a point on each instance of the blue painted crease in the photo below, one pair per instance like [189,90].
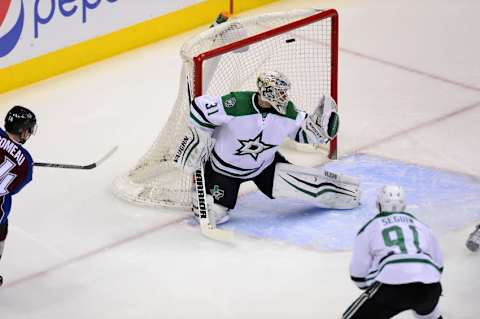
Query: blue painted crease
[444,200]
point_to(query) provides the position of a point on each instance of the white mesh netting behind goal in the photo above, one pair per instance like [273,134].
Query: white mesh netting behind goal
[301,44]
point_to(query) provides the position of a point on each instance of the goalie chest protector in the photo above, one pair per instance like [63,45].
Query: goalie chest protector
[247,136]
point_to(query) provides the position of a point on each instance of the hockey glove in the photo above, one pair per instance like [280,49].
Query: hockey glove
[322,125]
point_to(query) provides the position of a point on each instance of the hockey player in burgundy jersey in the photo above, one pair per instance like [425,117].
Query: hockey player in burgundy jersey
[398,262]
[236,137]
[16,163]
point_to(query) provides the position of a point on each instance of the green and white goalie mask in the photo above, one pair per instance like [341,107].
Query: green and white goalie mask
[273,88]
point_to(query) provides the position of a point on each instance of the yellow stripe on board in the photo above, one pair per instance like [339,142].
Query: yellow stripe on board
[244,5]
[103,47]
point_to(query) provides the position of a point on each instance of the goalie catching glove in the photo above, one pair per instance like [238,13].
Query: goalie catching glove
[194,150]
[321,126]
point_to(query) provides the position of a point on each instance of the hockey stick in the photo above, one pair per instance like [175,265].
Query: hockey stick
[207,225]
[74,166]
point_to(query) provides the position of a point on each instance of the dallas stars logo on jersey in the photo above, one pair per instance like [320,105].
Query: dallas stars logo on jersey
[217,192]
[253,147]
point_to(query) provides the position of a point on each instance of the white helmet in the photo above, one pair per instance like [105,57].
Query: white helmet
[391,198]
[273,88]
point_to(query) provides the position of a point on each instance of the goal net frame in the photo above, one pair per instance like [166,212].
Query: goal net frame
[155,181]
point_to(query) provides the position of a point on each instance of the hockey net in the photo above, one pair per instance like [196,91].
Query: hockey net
[302,44]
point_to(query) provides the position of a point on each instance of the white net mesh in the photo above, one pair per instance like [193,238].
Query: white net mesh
[302,53]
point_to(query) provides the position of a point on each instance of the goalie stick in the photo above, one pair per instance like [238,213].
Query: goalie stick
[207,224]
[75,166]
[206,220]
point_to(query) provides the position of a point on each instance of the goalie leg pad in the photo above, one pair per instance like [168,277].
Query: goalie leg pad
[326,189]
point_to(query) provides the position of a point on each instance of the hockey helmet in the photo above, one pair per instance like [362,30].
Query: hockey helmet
[391,198]
[273,88]
[20,118]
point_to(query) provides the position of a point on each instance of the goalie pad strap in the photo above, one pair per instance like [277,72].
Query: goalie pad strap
[326,189]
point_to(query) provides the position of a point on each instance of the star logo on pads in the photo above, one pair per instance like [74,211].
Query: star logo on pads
[253,147]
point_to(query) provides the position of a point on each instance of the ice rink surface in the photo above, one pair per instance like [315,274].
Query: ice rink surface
[409,99]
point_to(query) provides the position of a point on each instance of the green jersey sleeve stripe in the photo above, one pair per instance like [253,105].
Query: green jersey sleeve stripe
[211,126]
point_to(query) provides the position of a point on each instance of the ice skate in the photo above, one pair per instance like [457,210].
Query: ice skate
[473,241]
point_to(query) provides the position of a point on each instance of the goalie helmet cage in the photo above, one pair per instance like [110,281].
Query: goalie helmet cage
[302,44]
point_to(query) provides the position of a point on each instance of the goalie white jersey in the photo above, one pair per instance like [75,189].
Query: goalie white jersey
[395,248]
[246,135]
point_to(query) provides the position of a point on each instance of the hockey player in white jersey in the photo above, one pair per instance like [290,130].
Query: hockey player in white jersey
[398,261]
[236,138]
